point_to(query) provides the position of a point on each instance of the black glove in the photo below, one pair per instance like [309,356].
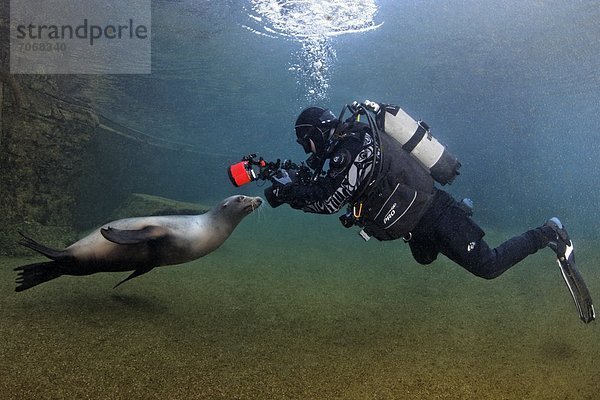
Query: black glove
[279,192]
[276,194]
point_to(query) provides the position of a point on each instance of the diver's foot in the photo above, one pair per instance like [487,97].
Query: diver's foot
[558,238]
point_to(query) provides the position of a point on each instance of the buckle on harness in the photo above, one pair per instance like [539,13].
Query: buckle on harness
[357,213]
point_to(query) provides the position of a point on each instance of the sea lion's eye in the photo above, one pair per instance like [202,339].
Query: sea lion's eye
[240,198]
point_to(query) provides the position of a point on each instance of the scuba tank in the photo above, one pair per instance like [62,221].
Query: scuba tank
[416,139]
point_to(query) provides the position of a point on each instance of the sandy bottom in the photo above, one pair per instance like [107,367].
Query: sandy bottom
[276,314]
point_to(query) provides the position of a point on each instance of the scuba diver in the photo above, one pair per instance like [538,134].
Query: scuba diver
[384,171]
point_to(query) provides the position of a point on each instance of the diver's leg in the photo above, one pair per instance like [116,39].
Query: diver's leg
[461,240]
[478,258]
[423,249]
[422,244]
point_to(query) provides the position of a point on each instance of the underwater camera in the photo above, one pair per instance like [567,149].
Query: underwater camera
[245,171]
[242,172]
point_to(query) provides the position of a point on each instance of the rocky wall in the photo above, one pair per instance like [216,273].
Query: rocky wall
[42,144]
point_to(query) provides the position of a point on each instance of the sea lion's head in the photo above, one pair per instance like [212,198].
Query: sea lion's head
[237,207]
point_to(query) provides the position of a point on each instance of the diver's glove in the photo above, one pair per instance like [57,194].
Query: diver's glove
[279,193]
[282,177]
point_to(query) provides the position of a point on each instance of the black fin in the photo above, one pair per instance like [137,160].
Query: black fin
[577,287]
[134,274]
[52,254]
[33,274]
[120,236]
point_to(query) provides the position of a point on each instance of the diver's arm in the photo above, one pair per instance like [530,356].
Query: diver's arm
[348,169]
[328,194]
[305,196]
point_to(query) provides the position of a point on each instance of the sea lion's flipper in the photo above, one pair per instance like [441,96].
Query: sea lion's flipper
[134,274]
[52,254]
[120,236]
[33,274]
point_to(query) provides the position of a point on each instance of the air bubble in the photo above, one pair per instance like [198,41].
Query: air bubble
[313,23]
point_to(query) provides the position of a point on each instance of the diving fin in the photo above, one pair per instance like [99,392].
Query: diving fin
[576,285]
[134,274]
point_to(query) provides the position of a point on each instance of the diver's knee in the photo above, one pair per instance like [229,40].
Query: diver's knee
[485,271]
[488,276]
[424,260]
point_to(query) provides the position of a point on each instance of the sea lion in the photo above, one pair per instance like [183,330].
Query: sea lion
[139,244]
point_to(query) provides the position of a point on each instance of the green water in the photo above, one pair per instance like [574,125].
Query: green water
[276,313]
[294,306]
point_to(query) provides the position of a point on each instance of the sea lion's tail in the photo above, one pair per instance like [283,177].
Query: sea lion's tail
[52,254]
[33,274]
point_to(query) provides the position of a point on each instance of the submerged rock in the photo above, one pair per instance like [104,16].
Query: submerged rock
[140,205]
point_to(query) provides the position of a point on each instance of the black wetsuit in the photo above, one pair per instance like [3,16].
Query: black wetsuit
[393,197]
[446,228]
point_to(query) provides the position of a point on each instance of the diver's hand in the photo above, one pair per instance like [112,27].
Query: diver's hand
[282,177]
[274,195]
[279,193]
